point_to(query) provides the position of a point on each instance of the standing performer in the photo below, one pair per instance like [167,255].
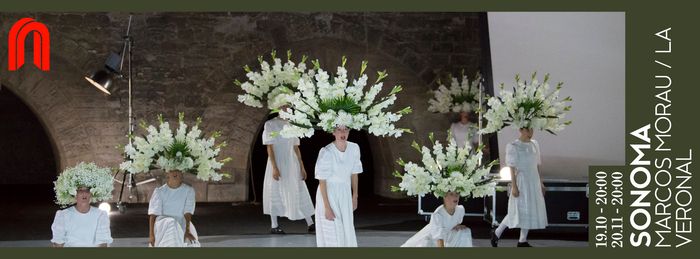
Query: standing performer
[170,214]
[445,228]
[337,170]
[82,225]
[284,191]
[526,206]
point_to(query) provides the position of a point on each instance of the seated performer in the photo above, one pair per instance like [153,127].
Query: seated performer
[170,214]
[445,228]
[82,225]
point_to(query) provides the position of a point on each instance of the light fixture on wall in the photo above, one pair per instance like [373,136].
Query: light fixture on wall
[103,79]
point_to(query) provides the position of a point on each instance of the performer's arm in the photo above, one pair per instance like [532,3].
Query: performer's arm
[188,219]
[440,243]
[271,156]
[151,226]
[301,163]
[324,193]
[354,191]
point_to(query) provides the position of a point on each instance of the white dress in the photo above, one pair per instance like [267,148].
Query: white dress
[441,227]
[337,168]
[463,133]
[74,229]
[288,197]
[170,206]
[528,210]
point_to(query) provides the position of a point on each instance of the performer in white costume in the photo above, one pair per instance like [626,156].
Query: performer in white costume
[526,206]
[284,191]
[337,169]
[170,214]
[464,132]
[445,228]
[82,225]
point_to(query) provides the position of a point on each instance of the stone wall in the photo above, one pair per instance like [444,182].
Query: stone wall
[186,62]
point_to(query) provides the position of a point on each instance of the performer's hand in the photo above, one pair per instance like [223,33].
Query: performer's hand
[544,189]
[329,214]
[276,174]
[459,227]
[354,203]
[515,192]
[303,174]
[189,236]
[152,240]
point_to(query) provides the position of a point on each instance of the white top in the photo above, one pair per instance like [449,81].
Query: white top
[335,166]
[463,132]
[75,229]
[169,202]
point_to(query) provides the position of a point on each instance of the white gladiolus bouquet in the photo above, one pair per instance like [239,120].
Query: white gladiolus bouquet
[461,96]
[325,101]
[97,179]
[183,150]
[444,170]
[529,105]
[273,84]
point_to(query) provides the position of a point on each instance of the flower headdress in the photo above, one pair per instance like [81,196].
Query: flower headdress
[97,179]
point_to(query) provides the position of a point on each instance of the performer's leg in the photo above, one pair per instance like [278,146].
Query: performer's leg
[273,220]
[500,229]
[523,235]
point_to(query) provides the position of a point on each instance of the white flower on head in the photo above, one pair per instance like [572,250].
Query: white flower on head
[266,85]
[460,96]
[529,105]
[446,169]
[87,175]
[324,101]
[185,150]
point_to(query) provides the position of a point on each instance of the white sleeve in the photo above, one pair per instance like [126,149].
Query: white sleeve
[357,166]
[58,228]
[323,165]
[190,201]
[511,155]
[267,137]
[437,231]
[296,142]
[155,205]
[103,234]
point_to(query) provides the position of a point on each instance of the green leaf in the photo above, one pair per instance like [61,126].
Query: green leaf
[247,69]
[289,54]
[273,54]
[396,89]
[343,103]
[364,66]
[381,75]
[400,162]
[343,60]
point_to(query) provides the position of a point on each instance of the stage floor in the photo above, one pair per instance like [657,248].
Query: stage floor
[364,238]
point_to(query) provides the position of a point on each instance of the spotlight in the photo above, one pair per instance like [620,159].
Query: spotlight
[106,207]
[505,173]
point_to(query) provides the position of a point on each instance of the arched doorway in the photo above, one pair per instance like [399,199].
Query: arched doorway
[28,168]
[309,152]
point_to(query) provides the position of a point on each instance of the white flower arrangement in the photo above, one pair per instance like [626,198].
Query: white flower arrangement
[185,151]
[461,96]
[324,102]
[97,179]
[273,84]
[443,170]
[529,105]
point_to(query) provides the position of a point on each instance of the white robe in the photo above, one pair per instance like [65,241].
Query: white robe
[170,206]
[441,227]
[287,197]
[337,168]
[74,229]
[464,134]
[528,210]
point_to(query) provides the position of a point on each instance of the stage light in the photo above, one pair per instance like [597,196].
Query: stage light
[505,173]
[106,207]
